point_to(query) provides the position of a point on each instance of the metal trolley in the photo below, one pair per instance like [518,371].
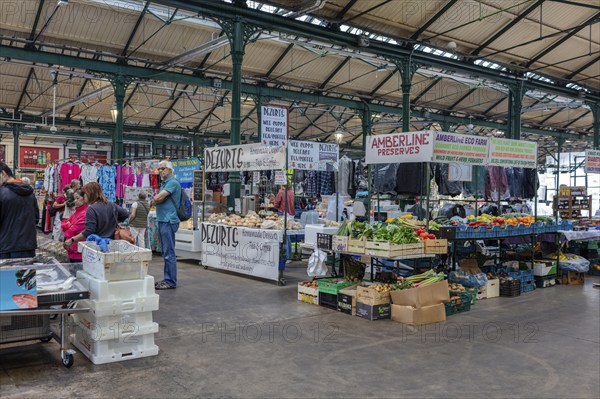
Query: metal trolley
[33,324]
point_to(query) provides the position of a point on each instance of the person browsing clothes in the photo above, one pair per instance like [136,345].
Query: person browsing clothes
[138,221]
[75,224]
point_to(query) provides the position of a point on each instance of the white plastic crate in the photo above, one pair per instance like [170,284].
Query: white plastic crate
[120,306]
[115,350]
[115,327]
[123,261]
[103,290]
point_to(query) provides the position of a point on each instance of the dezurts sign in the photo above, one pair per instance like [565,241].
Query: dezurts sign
[273,125]
[246,157]
[253,252]
[308,155]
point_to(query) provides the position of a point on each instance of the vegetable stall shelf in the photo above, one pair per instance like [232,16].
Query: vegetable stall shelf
[57,293]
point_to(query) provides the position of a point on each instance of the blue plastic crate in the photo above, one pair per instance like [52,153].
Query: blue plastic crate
[528,286]
[526,275]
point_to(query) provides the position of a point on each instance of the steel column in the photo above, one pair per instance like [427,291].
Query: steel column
[367,125]
[596,124]
[516,93]
[120,86]
[15,131]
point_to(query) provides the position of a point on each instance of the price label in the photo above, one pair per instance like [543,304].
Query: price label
[280,178]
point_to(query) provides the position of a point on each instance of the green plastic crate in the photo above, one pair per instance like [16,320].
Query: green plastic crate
[470,292]
[462,304]
[328,285]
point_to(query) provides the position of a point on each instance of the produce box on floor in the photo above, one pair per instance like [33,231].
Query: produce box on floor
[328,300]
[422,296]
[418,316]
[373,294]
[333,286]
[459,303]
[544,267]
[373,312]
[347,301]
[569,277]
[545,281]
[308,292]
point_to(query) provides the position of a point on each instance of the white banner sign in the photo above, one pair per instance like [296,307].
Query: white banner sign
[400,147]
[515,153]
[308,155]
[592,161]
[273,125]
[460,148]
[253,252]
[247,157]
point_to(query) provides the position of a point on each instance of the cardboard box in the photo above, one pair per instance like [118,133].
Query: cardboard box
[417,316]
[490,290]
[18,288]
[347,301]
[216,197]
[308,294]
[339,243]
[433,294]
[570,277]
[436,247]
[544,268]
[470,266]
[370,296]
[373,312]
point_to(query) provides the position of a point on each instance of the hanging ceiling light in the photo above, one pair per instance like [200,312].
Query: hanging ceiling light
[339,134]
[114,113]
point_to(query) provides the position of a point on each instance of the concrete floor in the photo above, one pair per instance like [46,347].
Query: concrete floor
[222,335]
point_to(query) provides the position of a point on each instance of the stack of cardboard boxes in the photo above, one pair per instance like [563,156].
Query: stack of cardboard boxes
[371,304]
[422,305]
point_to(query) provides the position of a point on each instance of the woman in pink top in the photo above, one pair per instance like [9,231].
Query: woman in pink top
[75,224]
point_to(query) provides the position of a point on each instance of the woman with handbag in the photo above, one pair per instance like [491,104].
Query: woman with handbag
[75,224]
[102,218]
[138,221]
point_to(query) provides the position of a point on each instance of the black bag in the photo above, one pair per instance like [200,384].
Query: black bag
[53,211]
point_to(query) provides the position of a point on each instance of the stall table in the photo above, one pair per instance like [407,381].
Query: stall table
[57,292]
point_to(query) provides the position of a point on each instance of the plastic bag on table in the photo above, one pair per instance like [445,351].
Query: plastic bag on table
[576,264]
[468,280]
[316,264]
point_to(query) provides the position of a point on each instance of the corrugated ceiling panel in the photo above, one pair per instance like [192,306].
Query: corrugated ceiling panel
[562,15]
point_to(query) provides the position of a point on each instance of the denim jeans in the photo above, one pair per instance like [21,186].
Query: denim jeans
[167,232]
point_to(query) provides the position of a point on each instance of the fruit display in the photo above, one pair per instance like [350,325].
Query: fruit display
[253,220]
[309,284]
[454,287]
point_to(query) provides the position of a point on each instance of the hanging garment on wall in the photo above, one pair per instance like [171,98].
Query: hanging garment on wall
[516,181]
[360,176]
[89,173]
[154,182]
[325,180]
[384,178]
[68,172]
[311,184]
[531,183]
[476,187]
[107,180]
[408,178]
[445,186]
[49,180]
[344,172]
[496,187]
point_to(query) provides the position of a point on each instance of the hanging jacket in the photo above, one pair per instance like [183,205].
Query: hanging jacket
[19,215]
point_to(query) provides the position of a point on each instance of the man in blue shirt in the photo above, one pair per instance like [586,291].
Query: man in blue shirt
[166,202]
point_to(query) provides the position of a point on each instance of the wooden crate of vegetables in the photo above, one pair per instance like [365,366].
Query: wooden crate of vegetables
[374,294]
[308,291]
[356,246]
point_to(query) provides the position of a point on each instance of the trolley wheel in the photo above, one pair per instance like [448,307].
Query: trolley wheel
[53,316]
[205,267]
[281,282]
[68,360]
[46,339]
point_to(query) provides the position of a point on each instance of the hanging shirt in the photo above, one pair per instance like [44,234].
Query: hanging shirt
[68,172]
[344,170]
[106,179]
[49,181]
[89,173]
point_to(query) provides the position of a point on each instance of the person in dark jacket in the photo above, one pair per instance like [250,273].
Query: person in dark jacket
[19,214]
[101,217]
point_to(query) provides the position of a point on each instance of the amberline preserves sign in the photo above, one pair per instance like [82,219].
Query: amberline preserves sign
[460,148]
[513,153]
[400,147]
[592,161]
[247,157]
[253,252]
[308,155]
[273,125]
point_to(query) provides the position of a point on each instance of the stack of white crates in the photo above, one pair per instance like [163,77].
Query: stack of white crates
[119,324]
